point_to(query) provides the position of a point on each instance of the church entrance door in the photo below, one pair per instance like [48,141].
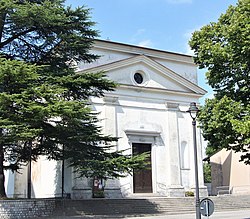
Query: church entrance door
[142,179]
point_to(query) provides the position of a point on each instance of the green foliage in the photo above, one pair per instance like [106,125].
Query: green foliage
[44,104]
[41,114]
[45,32]
[189,194]
[99,194]
[207,173]
[215,120]
[224,49]
[18,83]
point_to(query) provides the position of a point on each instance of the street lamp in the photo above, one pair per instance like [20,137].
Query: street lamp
[193,111]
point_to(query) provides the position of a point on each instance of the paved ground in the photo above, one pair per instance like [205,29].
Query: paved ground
[241,214]
[245,214]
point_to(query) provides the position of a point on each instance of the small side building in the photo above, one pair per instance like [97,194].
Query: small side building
[229,175]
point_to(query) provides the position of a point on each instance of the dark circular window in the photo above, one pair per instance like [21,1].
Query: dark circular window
[138,78]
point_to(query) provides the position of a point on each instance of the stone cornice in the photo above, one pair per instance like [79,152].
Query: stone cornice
[159,90]
[138,50]
[143,132]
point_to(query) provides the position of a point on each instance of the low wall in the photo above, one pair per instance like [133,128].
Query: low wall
[241,190]
[26,208]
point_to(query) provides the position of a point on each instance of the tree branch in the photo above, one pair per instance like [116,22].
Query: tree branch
[15,36]
[2,21]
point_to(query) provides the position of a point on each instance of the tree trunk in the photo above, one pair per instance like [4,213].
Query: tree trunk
[2,178]
[2,21]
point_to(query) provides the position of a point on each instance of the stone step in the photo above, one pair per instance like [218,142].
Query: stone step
[142,206]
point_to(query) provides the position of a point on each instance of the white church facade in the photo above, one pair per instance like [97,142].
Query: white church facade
[147,112]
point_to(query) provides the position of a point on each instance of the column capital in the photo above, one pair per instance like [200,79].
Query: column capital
[172,106]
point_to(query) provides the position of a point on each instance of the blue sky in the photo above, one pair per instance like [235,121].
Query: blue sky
[160,24]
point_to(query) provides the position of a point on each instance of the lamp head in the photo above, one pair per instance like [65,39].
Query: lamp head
[193,110]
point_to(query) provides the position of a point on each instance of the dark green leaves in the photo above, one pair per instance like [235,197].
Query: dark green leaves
[45,33]
[224,49]
[44,104]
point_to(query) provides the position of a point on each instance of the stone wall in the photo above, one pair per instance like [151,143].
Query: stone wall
[33,208]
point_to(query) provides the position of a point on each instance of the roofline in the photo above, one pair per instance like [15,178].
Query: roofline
[142,47]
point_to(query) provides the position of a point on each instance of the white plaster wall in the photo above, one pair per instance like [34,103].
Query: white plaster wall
[134,114]
[105,57]
[144,110]
[188,71]
[20,187]
[185,153]
[135,118]
[154,80]
[9,183]
[189,131]
[137,113]
[45,179]
[174,62]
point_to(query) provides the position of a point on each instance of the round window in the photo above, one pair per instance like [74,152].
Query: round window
[138,78]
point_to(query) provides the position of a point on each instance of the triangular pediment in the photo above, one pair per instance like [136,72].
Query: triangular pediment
[156,75]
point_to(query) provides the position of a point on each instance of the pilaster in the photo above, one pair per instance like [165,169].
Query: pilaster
[110,104]
[174,188]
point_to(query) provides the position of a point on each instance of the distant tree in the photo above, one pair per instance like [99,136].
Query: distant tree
[224,49]
[207,173]
[44,104]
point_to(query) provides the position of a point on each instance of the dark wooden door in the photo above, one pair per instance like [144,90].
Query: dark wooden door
[142,179]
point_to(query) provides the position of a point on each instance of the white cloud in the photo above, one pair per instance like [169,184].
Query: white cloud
[180,1]
[139,38]
[137,34]
[145,43]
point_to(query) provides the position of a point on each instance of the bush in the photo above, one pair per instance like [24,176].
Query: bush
[189,193]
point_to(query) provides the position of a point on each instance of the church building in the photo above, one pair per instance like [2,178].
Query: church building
[147,112]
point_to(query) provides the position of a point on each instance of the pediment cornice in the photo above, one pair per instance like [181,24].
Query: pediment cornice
[152,64]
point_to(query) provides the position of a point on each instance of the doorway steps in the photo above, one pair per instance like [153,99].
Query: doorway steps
[112,208]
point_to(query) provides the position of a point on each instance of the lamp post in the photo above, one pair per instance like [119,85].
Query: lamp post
[29,171]
[193,111]
[63,164]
